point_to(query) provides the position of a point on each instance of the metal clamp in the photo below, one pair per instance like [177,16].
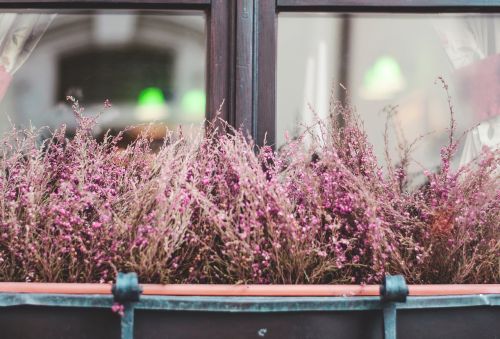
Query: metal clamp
[392,290]
[127,288]
[127,291]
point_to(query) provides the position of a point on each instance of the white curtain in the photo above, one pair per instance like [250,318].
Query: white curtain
[19,35]
[472,45]
[468,39]
[486,134]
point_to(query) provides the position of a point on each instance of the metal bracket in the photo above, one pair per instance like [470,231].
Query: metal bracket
[127,291]
[392,290]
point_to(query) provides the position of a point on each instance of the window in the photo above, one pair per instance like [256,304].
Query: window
[252,65]
[150,65]
[381,60]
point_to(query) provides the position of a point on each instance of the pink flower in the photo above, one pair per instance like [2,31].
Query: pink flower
[118,308]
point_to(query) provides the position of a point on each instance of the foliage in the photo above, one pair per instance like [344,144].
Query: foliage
[214,208]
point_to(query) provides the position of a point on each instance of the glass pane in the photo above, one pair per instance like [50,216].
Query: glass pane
[149,65]
[393,59]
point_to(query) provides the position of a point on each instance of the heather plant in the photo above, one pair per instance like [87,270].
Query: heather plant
[215,208]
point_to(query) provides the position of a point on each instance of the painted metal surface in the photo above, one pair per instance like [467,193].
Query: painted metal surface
[249,304]
[249,290]
[392,300]
[392,291]
[127,292]
[127,288]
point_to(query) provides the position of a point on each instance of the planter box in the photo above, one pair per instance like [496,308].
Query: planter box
[30,310]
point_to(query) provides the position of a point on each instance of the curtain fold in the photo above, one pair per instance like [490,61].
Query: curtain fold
[19,35]
[467,39]
[486,134]
[472,44]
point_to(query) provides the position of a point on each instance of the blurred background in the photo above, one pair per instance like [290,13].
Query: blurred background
[393,60]
[150,65]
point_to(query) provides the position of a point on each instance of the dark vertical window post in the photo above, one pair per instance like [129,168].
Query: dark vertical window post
[231,63]
[218,56]
[243,63]
[264,101]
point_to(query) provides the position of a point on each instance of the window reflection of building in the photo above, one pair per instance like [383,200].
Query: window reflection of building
[120,56]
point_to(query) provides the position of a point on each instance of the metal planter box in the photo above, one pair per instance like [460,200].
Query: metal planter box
[187,311]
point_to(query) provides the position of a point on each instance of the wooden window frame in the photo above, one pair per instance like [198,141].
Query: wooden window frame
[242,45]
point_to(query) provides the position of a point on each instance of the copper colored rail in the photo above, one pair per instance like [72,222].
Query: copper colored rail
[248,290]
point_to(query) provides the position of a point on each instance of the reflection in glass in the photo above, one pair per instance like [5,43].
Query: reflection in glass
[392,60]
[151,66]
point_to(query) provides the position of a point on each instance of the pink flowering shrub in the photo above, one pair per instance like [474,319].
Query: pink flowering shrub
[214,208]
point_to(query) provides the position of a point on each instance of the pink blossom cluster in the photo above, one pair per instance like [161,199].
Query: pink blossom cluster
[215,208]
